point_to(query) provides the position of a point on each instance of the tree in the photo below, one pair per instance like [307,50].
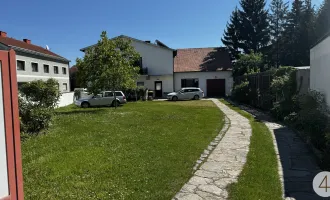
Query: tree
[254,25]
[277,18]
[292,35]
[231,35]
[322,26]
[248,64]
[308,34]
[109,65]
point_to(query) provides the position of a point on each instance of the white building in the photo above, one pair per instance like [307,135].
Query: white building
[34,62]
[166,70]
[320,67]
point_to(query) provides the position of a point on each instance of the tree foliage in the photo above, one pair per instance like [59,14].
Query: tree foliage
[277,18]
[248,64]
[109,65]
[37,102]
[322,25]
[254,25]
[231,35]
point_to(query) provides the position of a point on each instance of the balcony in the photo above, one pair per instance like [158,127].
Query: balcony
[143,71]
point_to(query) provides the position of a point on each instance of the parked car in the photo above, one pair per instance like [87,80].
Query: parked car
[106,98]
[186,93]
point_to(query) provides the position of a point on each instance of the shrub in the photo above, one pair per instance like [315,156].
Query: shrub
[241,92]
[313,118]
[248,63]
[37,101]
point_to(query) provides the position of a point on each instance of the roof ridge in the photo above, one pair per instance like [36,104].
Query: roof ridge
[201,48]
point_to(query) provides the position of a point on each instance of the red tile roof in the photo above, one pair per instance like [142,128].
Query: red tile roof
[202,59]
[73,69]
[17,43]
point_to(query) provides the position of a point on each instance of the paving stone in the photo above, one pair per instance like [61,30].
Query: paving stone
[224,164]
[188,196]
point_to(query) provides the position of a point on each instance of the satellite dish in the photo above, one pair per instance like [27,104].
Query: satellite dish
[47,47]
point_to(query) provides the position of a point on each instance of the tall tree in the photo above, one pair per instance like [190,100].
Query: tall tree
[322,25]
[254,25]
[277,19]
[308,35]
[231,35]
[292,35]
[109,65]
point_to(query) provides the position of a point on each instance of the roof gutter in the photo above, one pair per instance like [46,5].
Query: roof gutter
[39,54]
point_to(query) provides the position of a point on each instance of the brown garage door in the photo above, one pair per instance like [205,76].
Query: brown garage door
[216,87]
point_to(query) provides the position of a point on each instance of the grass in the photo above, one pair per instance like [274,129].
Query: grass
[259,178]
[143,150]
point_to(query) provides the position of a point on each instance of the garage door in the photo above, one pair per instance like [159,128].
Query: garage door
[215,87]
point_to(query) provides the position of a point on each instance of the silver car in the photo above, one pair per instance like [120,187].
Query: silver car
[186,93]
[106,98]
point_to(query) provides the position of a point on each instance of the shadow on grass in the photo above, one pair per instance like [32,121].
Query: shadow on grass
[80,111]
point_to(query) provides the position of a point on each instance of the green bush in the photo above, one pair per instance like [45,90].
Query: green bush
[313,118]
[241,92]
[37,101]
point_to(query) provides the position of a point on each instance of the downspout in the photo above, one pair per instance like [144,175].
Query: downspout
[174,55]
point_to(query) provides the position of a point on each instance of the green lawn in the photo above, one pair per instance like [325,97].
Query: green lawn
[143,150]
[259,178]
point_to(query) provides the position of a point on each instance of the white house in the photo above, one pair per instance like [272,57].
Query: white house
[206,68]
[34,62]
[157,65]
[320,66]
[165,70]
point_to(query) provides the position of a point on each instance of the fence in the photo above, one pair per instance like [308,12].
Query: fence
[259,85]
[66,99]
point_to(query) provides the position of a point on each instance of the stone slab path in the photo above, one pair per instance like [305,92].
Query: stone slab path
[224,163]
[298,163]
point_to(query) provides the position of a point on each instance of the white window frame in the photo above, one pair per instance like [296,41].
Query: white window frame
[65,85]
[37,66]
[24,65]
[43,67]
[54,69]
[66,71]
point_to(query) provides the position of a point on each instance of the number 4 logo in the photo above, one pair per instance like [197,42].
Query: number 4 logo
[321,184]
[324,184]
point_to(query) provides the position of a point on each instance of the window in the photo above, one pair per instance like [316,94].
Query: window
[55,70]
[192,82]
[119,94]
[65,86]
[108,94]
[20,65]
[141,84]
[46,68]
[34,67]
[63,70]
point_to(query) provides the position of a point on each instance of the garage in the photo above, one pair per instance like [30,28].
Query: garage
[215,87]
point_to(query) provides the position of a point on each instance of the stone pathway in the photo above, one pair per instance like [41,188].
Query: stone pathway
[224,163]
[298,163]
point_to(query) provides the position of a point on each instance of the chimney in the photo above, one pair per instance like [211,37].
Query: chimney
[27,41]
[3,34]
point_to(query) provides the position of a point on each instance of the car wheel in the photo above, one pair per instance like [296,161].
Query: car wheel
[175,98]
[84,104]
[196,97]
[113,103]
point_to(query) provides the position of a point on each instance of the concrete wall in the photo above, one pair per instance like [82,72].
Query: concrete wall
[149,82]
[158,60]
[203,76]
[303,80]
[28,75]
[66,99]
[320,68]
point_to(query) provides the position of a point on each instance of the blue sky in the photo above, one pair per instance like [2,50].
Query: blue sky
[67,26]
